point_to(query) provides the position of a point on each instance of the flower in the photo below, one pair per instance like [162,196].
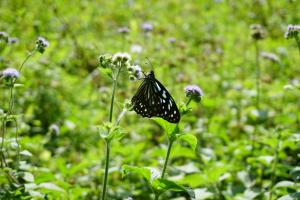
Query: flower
[194,92]
[54,129]
[13,40]
[135,72]
[292,31]
[105,60]
[270,56]
[121,57]
[147,27]
[10,73]
[257,32]
[135,48]
[41,44]
[123,30]
[172,40]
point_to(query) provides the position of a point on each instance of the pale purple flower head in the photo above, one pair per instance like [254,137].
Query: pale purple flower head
[147,27]
[171,40]
[194,92]
[10,73]
[41,44]
[123,30]
[292,31]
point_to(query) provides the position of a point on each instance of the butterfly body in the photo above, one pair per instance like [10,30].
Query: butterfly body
[153,100]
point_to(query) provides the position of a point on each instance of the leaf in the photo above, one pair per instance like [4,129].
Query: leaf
[162,185]
[142,171]
[110,132]
[245,179]
[170,128]
[296,173]
[106,71]
[291,196]
[202,193]
[285,184]
[26,153]
[190,139]
[28,177]
[50,186]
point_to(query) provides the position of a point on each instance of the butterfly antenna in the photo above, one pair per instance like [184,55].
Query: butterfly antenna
[149,63]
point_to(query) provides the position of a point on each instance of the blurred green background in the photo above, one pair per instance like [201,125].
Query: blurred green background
[63,96]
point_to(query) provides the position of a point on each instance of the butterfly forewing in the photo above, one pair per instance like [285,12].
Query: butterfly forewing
[153,100]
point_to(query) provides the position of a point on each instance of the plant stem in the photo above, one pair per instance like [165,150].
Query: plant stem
[189,101]
[115,82]
[298,42]
[106,168]
[274,166]
[26,59]
[156,196]
[257,102]
[257,76]
[170,143]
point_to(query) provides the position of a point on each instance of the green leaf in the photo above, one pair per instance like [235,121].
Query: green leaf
[28,177]
[289,184]
[203,193]
[106,71]
[50,186]
[170,128]
[190,139]
[296,173]
[162,185]
[111,132]
[142,171]
[291,196]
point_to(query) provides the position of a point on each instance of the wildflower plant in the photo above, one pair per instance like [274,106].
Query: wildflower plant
[14,176]
[112,66]
[293,31]
[9,77]
[156,179]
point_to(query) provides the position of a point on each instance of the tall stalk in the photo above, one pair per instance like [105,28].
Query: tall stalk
[107,141]
[10,111]
[257,100]
[170,143]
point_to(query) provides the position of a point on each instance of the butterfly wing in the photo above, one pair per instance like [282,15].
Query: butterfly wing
[153,100]
[140,100]
[167,108]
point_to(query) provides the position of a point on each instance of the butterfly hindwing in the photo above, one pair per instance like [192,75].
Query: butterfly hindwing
[153,100]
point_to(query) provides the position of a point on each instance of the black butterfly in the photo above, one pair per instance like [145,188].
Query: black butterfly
[153,100]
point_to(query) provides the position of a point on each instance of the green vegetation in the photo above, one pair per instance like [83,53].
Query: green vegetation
[68,130]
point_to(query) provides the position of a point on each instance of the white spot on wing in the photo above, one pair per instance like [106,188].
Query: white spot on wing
[158,87]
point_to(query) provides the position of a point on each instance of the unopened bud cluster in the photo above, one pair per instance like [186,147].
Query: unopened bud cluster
[257,32]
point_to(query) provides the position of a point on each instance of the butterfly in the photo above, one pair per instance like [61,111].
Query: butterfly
[153,100]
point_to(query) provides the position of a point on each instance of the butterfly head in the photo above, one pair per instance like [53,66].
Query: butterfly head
[150,75]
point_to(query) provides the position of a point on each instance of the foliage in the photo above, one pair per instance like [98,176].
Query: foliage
[240,142]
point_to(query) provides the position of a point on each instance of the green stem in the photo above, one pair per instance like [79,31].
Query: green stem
[297,41]
[257,76]
[3,161]
[273,173]
[170,143]
[106,169]
[257,103]
[189,101]
[156,196]
[115,82]
[26,59]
